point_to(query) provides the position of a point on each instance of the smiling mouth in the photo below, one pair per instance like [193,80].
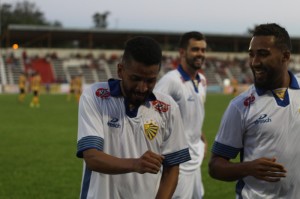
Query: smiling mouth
[199,60]
[140,95]
[259,71]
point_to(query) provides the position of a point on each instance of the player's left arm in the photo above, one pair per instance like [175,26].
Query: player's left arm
[168,182]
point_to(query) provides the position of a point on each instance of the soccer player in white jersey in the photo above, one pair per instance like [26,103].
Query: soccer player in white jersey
[262,124]
[131,139]
[187,86]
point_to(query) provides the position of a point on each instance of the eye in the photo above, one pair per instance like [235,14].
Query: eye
[251,54]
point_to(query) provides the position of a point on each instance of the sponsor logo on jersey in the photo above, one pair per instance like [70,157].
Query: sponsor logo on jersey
[114,123]
[151,129]
[160,106]
[102,92]
[249,100]
[263,119]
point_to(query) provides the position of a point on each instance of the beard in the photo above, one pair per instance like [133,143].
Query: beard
[195,62]
[134,97]
[264,78]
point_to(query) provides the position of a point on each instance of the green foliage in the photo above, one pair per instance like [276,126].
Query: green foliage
[38,146]
[24,12]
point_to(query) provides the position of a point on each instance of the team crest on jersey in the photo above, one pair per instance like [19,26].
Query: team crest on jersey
[249,100]
[102,92]
[151,129]
[160,106]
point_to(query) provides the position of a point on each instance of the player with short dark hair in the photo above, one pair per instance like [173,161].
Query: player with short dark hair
[262,124]
[187,86]
[131,138]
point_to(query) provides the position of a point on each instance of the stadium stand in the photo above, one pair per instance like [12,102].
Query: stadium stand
[59,69]
[226,57]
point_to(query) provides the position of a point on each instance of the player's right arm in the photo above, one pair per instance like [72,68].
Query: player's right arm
[266,169]
[99,161]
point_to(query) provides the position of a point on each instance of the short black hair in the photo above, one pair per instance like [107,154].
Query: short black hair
[142,49]
[281,35]
[184,39]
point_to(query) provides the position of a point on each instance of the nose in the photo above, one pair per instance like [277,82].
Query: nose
[201,52]
[142,86]
[254,61]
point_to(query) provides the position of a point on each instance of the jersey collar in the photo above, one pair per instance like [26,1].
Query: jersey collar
[185,76]
[286,100]
[293,84]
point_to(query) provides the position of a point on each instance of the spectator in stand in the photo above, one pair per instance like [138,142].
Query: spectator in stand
[188,88]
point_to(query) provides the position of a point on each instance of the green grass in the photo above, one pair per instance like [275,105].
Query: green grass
[214,108]
[37,149]
[38,146]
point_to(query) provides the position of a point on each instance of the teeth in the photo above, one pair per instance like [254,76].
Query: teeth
[259,71]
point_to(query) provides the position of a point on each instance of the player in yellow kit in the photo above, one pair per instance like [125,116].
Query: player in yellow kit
[72,87]
[35,88]
[78,87]
[22,87]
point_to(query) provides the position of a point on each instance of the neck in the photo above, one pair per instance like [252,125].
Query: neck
[192,73]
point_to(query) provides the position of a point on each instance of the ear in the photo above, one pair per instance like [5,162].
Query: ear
[120,69]
[286,56]
[181,52]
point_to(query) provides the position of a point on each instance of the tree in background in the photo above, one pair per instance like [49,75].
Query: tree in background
[24,12]
[100,19]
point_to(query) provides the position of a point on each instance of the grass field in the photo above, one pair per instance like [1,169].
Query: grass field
[38,146]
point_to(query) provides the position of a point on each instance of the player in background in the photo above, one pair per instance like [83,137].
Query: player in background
[235,86]
[35,85]
[22,87]
[262,124]
[72,87]
[188,88]
[131,138]
[78,87]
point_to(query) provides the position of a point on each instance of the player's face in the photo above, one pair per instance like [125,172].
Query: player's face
[138,80]
[194,54]
[267,62]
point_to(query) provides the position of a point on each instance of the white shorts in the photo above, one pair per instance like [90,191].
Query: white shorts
[189,186]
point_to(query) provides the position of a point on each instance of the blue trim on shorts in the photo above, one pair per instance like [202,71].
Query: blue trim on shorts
[239,187]
[86,183]
[177,157]
[89,142]
[225,150]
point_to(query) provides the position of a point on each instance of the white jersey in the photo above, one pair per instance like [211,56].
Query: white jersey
[190,96]
[105,124]
[259,124]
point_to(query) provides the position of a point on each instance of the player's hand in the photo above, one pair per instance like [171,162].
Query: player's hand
[267,169]
[149,162]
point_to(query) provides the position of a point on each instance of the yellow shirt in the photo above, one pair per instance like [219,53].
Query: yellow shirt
[22,81]
[35,83]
